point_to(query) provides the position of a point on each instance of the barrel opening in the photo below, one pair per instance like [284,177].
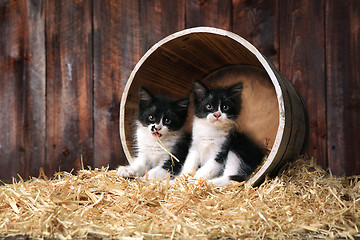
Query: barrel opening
[272,113]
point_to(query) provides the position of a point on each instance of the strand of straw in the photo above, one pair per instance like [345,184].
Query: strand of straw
[158,141]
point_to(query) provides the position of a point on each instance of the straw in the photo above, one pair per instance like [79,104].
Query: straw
[159,142]
[303,202]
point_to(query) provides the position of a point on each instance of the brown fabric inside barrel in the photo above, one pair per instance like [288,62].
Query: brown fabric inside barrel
[219,58]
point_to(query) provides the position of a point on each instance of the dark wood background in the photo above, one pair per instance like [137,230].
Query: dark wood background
[64,64]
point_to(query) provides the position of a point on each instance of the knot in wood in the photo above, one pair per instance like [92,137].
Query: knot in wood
[65,151]
[200,2]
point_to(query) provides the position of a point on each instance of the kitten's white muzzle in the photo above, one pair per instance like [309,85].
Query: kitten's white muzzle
[157,130]
[220,120]
[217,117]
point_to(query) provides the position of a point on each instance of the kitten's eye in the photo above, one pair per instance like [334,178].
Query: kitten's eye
[225,107]
[151,118]
[209,106]
[167,121]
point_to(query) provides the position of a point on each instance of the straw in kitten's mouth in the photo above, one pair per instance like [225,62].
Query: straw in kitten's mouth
[158,141]
[157,134]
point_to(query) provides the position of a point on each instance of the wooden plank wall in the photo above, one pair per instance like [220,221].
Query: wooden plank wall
[64,64]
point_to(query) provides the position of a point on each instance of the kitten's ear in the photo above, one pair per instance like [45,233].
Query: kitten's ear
[183,103]
[236,89]
[199,90]
[145,96]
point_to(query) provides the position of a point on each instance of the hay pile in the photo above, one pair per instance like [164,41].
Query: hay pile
[304,201]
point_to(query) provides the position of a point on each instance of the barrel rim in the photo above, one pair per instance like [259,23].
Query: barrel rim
[259,174]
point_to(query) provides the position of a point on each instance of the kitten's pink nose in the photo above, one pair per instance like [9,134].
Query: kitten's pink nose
[217,115]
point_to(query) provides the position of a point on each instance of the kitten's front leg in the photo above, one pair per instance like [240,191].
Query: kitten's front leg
[125,171]
[209,170]
[156,172]
[191,163]
[221,181]
[137,168]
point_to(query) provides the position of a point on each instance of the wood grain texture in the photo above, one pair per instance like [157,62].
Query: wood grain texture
[35,87]
[153,28]
[257,22]
[116,51]
[22,91]
[12,63]
[64,64]
[343,98]
[301,31]
[209,13]
[69,84]
[158,19]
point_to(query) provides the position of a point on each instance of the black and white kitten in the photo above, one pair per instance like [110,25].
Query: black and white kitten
[163,118]
[217,151]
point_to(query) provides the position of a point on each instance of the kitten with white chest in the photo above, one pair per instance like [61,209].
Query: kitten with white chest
[217,151]
[158,118]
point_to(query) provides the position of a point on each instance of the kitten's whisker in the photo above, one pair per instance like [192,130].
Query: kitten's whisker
[158,141]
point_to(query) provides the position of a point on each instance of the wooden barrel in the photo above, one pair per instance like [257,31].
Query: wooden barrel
[272,112]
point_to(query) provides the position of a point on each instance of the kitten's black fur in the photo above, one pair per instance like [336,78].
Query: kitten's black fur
[161,118]
[161,107]
[220,136]
[244,148]
[180,151]
[227,96]
[176,111]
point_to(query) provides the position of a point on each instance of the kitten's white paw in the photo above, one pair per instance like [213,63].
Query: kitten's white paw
[156,172]
[203,173]
[221,181]
[125,171]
